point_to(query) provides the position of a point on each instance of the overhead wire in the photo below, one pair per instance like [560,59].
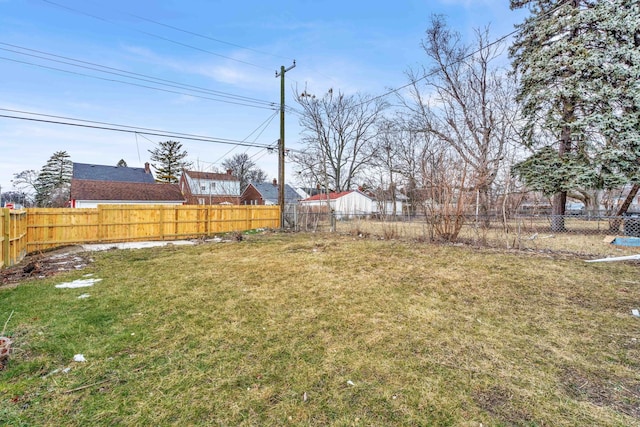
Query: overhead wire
[271,107]
[154,35]
[91,124]
[173,41]
[128,74]
[193,33]
[262,126]
[465,57]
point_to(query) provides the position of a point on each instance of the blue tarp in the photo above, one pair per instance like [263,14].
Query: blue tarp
[626,241]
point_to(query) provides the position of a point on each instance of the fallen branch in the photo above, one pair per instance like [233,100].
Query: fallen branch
[85,386]
[6,323]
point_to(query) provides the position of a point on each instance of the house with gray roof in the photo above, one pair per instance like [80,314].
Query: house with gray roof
[112,173]
[267,193]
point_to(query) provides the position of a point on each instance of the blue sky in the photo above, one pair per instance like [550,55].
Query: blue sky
[232,48]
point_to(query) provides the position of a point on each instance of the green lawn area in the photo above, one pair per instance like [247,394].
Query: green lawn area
[320,329]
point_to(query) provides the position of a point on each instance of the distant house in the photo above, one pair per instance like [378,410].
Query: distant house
[265,193]
[91,193]
[345,204]
[112,173]
[384,202]
[210,188]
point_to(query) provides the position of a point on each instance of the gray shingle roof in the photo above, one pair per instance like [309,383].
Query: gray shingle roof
[111,173]
[270,192]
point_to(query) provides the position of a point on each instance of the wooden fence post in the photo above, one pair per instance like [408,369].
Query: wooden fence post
[6,244]
[101,228]
[6,241]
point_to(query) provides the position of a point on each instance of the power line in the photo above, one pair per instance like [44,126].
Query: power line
[128,74]
[90,124]
[137,84]
[471,54]
[204,37]
[262,126]
[154,35]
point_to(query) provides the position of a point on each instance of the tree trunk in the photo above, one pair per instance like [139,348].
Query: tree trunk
[614,225]
[557,212]
[559,202]
[484,207]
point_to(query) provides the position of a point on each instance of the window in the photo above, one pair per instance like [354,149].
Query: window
[201,201]
[203,188]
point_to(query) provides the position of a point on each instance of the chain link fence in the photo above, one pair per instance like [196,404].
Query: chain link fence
[575,233]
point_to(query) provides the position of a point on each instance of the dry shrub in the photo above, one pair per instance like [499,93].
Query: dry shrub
[449,200]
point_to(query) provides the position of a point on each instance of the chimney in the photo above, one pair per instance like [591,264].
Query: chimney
[147,169]
[229,172]
[275,182]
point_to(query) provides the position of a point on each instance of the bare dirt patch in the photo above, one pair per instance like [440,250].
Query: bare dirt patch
[42,265]
[619,394]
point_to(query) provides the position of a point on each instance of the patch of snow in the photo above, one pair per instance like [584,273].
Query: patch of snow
[83,296]
[134,245]
[79,358]
[80,283]
[619,258]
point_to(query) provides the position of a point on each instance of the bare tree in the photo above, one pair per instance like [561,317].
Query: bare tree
[338,131]
[244,169]
[26,181]
[465,102]
[385,166]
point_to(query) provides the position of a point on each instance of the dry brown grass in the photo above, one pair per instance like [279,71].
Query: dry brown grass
[316,329]
[586,238]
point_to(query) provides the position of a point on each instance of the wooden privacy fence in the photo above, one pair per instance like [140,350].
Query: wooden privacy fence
[13,236]
[41,228]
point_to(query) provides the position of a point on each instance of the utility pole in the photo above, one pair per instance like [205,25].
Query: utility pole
[281,143]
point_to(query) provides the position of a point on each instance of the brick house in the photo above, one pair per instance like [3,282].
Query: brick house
[268,193]
[93,185]
[91,193]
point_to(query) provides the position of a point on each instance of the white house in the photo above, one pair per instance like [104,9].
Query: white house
[345,204]
[210,188]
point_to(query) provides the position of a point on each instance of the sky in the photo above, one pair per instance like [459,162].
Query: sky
[205,68]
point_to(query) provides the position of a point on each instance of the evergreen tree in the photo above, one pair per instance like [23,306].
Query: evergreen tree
[168,161]
[579,65]
[54,180]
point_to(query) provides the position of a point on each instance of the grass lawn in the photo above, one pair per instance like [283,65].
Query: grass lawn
[318,329]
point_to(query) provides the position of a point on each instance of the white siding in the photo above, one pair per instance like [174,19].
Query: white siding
[213,187]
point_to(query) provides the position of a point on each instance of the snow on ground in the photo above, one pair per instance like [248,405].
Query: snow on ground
[133,245]
[80,283]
